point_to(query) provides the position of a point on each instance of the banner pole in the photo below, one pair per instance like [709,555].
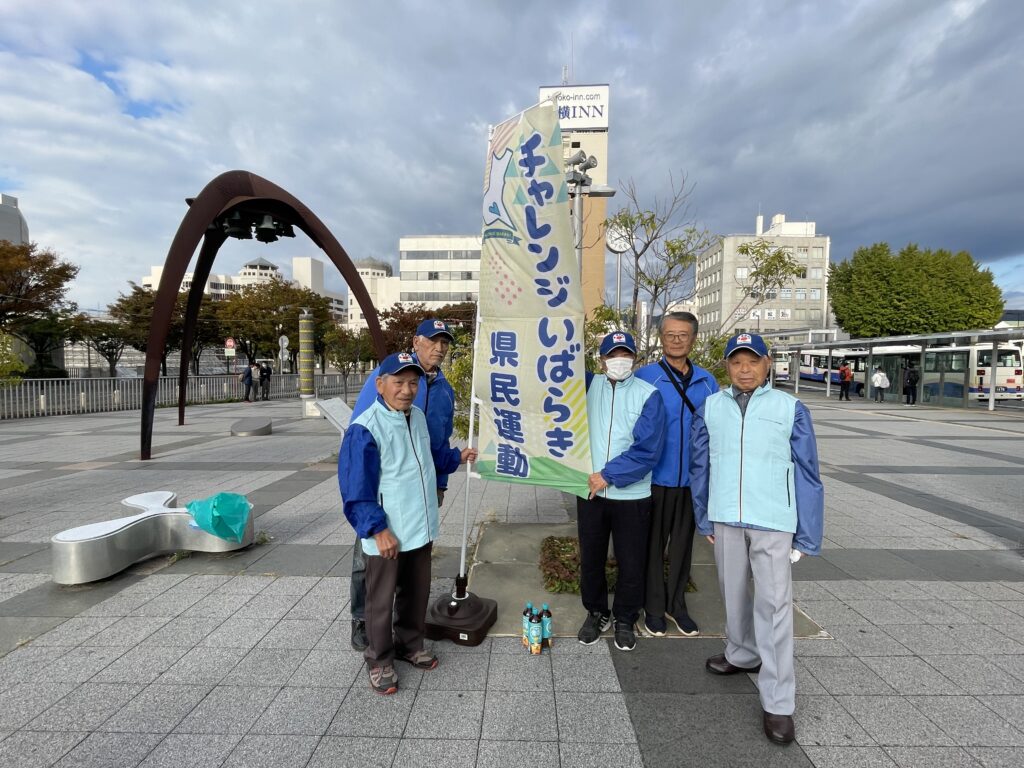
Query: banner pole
[460,583]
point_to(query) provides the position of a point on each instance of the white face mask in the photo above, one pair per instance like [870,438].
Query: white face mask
[619,368]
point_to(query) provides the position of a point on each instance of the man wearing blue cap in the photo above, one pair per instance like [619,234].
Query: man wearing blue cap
[388,484]
[436,399]
[627,430]
[758,498]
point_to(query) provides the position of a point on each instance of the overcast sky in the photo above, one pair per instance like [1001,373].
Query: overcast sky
[879,120]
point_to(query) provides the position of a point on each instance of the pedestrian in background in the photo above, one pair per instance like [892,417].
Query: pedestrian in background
[683,387]
[911,377]
[880,382]
[265,373]
[845,379]
[758,498]
[246,378]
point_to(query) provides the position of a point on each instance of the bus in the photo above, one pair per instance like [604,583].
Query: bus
[946,369]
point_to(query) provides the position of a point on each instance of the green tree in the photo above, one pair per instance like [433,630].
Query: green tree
[878,293]
[133,312]
[44,333]
[662,243]
[11,366]
[33,282]
[107,338]
[346,350]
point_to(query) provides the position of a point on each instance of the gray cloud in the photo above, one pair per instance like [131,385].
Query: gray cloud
[880,121]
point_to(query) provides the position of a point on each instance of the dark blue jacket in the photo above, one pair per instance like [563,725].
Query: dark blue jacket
[436,400]
[673,467]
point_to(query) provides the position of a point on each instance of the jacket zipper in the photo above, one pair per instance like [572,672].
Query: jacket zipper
[426,504]
[789,499]
[611,420]
[743,424]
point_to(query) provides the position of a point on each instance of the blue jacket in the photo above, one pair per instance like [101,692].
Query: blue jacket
[386,476]
[673,468]
[627,432]
[436,400]
[758,470]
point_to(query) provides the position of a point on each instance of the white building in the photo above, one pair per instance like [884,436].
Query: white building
[436,270]
[307,272]
[722,272]
[384,290]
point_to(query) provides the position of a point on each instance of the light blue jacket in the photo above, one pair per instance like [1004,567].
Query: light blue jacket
[672,469]
[627,432]
[386,476]
[758,469]
[437,401]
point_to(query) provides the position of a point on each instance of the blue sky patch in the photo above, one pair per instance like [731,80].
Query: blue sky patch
[104,73]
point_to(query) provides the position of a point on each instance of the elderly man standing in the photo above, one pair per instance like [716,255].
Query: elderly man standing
[757,496]
[627,431]
[436,398]
[683,386]
[386,475]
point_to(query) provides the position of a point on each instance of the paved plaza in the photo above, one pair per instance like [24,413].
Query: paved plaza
[244,660]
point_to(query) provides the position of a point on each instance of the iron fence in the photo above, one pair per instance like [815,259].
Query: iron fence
[61,397]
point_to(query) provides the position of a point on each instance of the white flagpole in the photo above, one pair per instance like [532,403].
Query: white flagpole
[470,434]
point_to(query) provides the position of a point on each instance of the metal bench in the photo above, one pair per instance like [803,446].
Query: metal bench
[98,550]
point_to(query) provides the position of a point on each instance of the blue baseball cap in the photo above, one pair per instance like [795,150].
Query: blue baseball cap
[397,363]
[750,341]
[432,327]
[617,340]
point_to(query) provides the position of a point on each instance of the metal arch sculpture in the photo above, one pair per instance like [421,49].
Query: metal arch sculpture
[228,192]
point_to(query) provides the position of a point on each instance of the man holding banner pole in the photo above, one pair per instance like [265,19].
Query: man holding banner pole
[627,432]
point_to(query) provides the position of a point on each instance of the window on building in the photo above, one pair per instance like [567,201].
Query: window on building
[815,294]
[815,273]
[433,275]
[818,252]
[814,314]
[799,314]
[785,293]
[742,272]
[801,252]
[801,294]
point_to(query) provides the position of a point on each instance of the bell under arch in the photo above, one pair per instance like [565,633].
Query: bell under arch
[218,210]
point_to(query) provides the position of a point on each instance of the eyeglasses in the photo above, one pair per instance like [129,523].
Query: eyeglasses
[676,336]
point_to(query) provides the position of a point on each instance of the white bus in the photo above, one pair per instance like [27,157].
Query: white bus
[946,369]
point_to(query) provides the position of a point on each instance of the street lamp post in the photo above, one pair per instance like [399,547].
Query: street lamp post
[581,184]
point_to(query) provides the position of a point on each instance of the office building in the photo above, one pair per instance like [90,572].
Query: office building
[436,270]
[13,226]
[723,304]
[383,287]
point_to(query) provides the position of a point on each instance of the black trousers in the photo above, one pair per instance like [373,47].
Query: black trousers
[671,533]
[844,390]
[626,522]
[911,394]
[402,584]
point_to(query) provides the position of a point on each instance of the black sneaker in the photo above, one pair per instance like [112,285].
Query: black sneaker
[655,626]
[625,637]
[595,623]
[687,626]
[359,639]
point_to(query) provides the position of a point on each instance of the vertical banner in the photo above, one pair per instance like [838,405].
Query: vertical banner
[529,367]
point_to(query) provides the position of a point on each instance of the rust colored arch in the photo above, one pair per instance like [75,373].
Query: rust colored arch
[234,189]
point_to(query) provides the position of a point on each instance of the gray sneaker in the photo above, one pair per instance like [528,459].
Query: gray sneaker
[383,680]
[595,623]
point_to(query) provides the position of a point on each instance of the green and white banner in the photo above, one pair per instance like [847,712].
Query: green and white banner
[529,367]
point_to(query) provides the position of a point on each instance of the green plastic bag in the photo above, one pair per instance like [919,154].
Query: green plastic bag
[224,515]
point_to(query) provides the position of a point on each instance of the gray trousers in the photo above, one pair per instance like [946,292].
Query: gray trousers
[759,627]
[397,592]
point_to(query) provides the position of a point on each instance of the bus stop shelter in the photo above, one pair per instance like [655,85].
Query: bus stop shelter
[948,371]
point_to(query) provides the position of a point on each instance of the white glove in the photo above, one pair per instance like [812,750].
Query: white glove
[795,555]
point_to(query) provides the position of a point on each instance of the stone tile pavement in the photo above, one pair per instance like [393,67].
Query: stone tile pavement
[243,660]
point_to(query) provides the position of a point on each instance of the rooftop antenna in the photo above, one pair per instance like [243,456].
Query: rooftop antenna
[565,74]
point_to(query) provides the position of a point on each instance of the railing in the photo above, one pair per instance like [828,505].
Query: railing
[60,397]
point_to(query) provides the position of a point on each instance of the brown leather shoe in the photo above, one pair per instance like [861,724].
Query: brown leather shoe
[779,728]
[719,665]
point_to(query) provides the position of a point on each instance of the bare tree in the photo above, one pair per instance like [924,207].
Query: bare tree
[663,242]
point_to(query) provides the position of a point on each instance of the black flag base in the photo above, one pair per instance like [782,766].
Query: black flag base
[461,617]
